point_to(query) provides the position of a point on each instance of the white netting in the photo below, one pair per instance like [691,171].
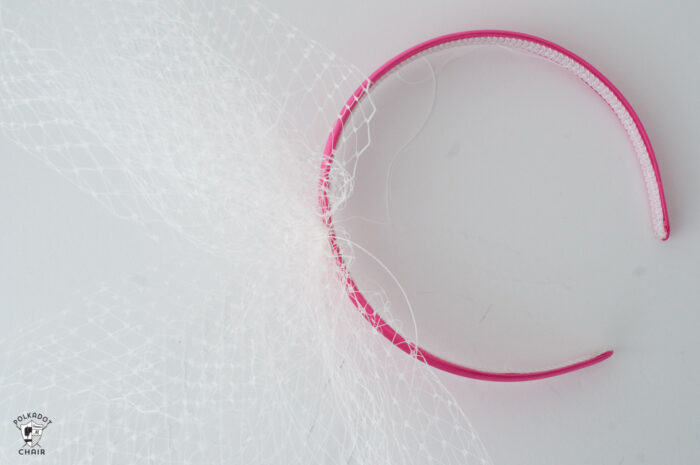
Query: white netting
[210,120]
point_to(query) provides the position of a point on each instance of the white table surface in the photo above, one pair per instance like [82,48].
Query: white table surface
[597,279]
[582,272]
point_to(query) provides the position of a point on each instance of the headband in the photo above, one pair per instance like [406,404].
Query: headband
[556,54]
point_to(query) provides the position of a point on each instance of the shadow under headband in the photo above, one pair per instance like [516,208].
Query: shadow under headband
[556,54]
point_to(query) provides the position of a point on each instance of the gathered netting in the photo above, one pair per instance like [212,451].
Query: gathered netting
[205,120]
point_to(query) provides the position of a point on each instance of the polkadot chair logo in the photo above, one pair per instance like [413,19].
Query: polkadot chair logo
[31,427]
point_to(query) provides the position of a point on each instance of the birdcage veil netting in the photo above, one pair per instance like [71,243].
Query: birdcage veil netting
[206,120]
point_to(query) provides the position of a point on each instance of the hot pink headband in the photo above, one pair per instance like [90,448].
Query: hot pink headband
[557,54]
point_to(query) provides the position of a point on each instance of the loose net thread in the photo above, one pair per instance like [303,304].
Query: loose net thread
[623,115]
[207,120]
[640,150]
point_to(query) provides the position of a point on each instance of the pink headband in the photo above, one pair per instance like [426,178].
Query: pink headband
[557,54]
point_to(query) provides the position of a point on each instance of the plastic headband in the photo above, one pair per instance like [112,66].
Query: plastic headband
[556,54]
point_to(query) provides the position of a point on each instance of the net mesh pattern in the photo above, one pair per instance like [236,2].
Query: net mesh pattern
[205,120]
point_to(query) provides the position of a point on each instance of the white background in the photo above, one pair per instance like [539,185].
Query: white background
[545,253]
[581,272]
